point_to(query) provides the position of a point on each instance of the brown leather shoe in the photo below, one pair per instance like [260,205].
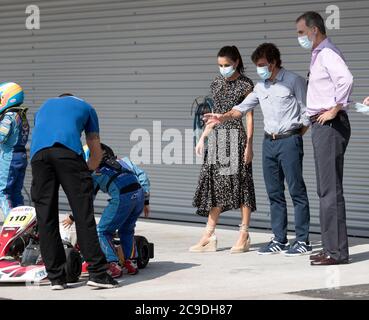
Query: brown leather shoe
[327,261]
[318,255]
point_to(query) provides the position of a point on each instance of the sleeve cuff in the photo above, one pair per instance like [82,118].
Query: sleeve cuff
[306,122]
[71,217]
[238,108]
[345,100]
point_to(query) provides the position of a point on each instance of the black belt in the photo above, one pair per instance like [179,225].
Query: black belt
[281,135]
[130,188]
[315,117]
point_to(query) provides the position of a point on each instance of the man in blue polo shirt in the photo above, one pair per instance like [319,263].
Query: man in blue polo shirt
[56,159]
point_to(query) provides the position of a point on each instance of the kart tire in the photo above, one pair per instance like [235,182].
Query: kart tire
[143,251]
[73,265]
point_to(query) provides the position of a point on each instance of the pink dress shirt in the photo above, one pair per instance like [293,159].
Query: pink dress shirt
[330,80]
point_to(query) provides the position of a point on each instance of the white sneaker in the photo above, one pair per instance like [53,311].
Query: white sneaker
[58,285]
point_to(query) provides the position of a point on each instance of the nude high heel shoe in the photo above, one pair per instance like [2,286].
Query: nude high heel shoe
[245,247]
[210,245]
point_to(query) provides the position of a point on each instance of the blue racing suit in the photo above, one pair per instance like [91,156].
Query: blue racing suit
[129,188]
[14,131]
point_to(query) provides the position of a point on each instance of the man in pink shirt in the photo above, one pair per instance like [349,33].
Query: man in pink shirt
[329,88]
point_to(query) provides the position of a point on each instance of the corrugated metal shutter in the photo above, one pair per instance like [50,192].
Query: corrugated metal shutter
[139,61]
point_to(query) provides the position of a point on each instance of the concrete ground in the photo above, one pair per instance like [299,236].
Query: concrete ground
[175,273]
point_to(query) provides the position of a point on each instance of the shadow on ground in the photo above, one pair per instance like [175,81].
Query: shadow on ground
[156,269]
[357,292]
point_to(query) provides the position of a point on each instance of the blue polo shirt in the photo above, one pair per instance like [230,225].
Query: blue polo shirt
[62,120]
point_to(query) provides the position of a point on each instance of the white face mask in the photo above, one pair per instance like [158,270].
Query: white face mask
[264,72]
[305,42]
[227,72]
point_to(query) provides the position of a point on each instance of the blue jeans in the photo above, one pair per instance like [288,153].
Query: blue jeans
[121,214]
[12,172]
[282,159]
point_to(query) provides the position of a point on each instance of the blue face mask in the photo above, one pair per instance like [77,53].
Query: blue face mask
[264,72]
[305,42]
[227,72]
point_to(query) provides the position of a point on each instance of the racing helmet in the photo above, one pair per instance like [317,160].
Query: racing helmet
[108,152]
[11,95]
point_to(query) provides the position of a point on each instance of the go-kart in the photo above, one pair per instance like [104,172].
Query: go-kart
[20,257]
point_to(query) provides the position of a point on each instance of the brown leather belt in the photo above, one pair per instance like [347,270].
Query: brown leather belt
[286,134]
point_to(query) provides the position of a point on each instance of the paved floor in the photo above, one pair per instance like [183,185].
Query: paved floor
[175,273]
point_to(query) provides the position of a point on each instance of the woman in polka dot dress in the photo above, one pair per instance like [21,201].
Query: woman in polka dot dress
[225,181]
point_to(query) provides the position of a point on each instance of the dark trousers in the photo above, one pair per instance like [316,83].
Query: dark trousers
[282,159]
[330,142]
[51,168]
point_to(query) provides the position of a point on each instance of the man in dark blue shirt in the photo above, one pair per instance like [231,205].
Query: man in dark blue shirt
[56,159]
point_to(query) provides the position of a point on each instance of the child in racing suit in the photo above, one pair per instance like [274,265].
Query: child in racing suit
[129,188]
[14,131]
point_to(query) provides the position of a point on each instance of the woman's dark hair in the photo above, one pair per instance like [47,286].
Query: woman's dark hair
[313,19]
[232,53]
[268,51]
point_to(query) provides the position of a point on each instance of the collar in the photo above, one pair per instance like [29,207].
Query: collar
[325,43]
[279,76]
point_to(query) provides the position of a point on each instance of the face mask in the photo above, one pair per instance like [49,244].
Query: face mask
[305,42]
[227,72]
[264,72]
